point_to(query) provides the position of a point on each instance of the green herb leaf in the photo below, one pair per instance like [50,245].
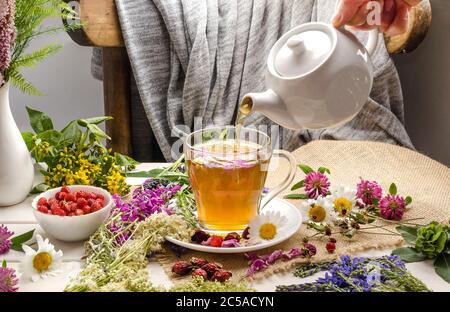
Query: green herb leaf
[98,132]
[408,200]
[442,266]
[4,264]
[323,170]
[39,121]
[145,174]
[298,185]
[125,161]
[305,168]
[70,134]
[393,189]
[93,120]
[37,189]
[409,254]
[296,196]
[50,136]
[21,239]
[409,233]
[28,138]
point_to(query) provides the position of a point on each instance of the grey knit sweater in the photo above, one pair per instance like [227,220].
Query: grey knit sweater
[193,60]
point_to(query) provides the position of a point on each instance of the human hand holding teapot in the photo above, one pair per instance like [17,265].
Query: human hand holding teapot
[394,15]
[320,76]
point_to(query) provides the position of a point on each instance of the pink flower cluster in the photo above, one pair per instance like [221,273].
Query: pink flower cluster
[5,242]
[316,184]
[7,35]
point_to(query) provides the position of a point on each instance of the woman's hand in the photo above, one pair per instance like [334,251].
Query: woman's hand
[394,15]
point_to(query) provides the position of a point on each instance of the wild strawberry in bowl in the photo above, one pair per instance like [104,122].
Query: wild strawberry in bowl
[72,213]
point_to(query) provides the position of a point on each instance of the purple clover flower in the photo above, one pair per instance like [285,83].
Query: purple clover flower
[5,242]
[316,184]
[392,207]
[8,280]
[368,191]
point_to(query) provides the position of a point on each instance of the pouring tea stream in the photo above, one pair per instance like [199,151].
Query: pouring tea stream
[317,77]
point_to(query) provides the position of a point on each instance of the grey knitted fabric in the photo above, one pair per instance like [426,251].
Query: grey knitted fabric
[197,58]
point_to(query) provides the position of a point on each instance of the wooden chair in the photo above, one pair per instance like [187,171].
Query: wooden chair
[102,29]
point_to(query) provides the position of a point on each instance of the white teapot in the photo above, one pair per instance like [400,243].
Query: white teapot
[317,77]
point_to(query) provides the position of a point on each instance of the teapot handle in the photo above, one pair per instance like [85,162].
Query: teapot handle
[372,42]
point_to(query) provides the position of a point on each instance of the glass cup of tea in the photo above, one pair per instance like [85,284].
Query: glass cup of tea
[227,168]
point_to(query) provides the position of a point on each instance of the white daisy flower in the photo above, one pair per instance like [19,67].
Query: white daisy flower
[318,210]
[343,200]
[266,226]
[42,263]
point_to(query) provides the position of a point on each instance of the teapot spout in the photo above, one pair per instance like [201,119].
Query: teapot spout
[269,104]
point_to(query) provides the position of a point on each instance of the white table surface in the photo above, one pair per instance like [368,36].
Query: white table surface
[20,219]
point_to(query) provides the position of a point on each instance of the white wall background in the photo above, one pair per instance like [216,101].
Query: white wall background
[73,93]
[425,76]
[65,78]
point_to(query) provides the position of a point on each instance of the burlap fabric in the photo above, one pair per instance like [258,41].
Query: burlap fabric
[427,181]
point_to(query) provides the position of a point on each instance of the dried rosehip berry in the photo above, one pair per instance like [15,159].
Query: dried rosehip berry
[216,241]
[221,276]
[200,236]
[331,247]
[211,268]
[181,268]
[333,240]
[328,231]
[246,233]
[198,262]
[233,235]
[200,272]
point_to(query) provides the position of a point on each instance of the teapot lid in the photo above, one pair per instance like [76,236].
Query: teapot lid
[302,52]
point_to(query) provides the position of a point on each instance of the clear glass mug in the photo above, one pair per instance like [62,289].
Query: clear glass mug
[228,175]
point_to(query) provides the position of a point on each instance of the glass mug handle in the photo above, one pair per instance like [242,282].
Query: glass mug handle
[285,183]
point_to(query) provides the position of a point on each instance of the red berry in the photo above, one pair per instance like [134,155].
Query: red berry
[100,196]
[198,262]
[90,201]
[81,202]
[331,247]
[60,195]
[55,206]
[59,212]
[65,206]
[86,209]
[42,201]
[92,195]
[73,207]
[71,214]
[52,200]
[71,197]
[216,241]
[65,189]
[96,206]
[42,209]
[79,212]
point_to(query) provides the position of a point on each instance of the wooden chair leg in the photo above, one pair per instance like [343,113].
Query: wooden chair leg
[116,89]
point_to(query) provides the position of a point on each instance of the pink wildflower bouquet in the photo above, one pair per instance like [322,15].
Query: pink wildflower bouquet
[347,211]
[21,21]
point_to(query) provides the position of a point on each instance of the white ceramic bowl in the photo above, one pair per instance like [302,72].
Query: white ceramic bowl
[72,228]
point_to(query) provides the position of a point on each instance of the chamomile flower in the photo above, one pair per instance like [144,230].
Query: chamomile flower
[41,263]
[267,226]
[318,210]
[343,200]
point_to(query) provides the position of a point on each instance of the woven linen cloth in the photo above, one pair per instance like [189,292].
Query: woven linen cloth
[196,59]
[425,180]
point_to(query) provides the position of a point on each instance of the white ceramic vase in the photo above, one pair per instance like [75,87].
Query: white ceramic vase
[16,166]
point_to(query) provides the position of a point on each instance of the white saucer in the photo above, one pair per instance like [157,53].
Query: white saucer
[294,221]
